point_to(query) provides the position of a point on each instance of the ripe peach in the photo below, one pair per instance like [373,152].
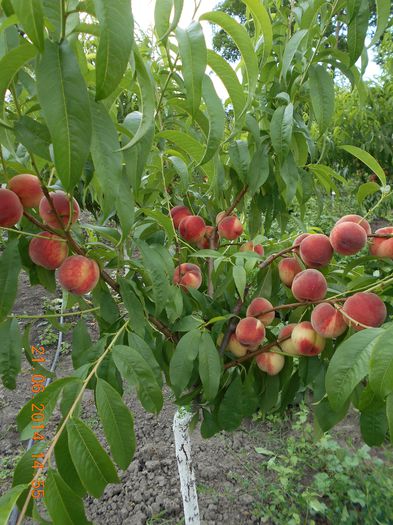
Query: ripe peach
[382,247]
[257,307]
[365,308]
[62,203]
[49,252]
[187,275]
[316,250]
[28,189]
[348,238]
[287,269]
[250,331]
[11,209]
[286,346]
[230,228]
[78,274]
[234,346]
[309,285]
[358,219]
[192,228]
[178,213]
[270,362]
[327,321]
[221,215]
[306,340]
[249,246]
[204,243]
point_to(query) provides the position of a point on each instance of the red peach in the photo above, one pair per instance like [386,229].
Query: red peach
[230,228]
[249,246]
[178,213]
[270,362]
[62,203]
[79,274]
[287,269]
[299,239]
[358,219]
[257,307]
[11,209]
[187,275]
[348,238]
[306,340]
[382,247]
[316,250]
[221,215]
[287,346]
[28,189]
[365,308]
[192,228]
[327,321]
[49,252]
[250,331]
[309,285]
[204,243]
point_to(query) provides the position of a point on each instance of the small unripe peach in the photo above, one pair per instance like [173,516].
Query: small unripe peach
[306,340]
[287,346]
[249,246]
[250,332]
[287,269]
[365,308]
[348,238]
[270,362]
[382,247]
[62,204]
[309,285]
[204,243]
[235,347]
[178,213]
[358,219]
[230,228]
[49,252]
[328,321]
[316,250]
[258,307]
[11,209]
[187,275]
[192,228]
[79,274]
[28,189]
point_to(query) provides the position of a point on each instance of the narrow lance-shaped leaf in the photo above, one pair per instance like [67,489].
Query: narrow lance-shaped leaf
[10,352]
[389,415]
[31,16]
[65,103]
[290,50]
[383,13]
[263,23]
[322,96]
[368,160]
[216,116]
[182,362]
[381,365]
[7,502]
[65,465]
[281,129]
[162,13]
[209,366]
[92,463]
[10,266]
[114,49]
[357,31]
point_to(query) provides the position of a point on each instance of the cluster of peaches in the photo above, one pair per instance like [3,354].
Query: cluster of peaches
[299,272]
[76,273]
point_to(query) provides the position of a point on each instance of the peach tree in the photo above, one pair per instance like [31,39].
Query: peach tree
[161,209]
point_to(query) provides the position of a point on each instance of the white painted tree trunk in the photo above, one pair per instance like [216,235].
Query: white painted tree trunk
[181,433]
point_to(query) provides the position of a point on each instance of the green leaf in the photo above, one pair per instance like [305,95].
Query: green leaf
[147,92]
[374,424]
[241,38]
[240,158]
[192,50]
[216,116]
[182,362]
[327,418]
[162,13]
[368,160]
[365,190]
[263,25]
[357,31]
[65,103]
[258,171]
[116,40]
[107,157]
[52,12]
[8,501]
[290,50]
[31,16]
[381,365]
[322,96]
[92,463]
[137,371]
[134,307]
[209,366]
[290,175]
[349,365]
[383,13]
[65,465]
[117,422]
[63,505]
[10,352]
[231,82]
[81,344]
[10,266]
[240,278]
[230,412]
[281,129]
[389,415]
[34,136]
